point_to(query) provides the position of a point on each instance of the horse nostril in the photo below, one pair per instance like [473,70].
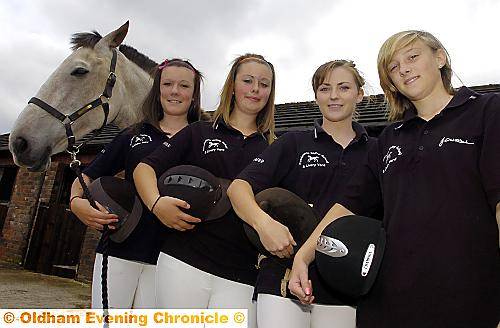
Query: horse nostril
[20,145]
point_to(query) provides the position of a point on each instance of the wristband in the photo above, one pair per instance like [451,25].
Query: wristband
[154,204]
[71,200]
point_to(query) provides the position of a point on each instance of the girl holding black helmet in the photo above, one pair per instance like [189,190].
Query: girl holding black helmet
[172,103]
[211,264]
[437,173]
[315,165]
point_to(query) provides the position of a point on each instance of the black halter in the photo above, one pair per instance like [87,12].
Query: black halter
[68,120]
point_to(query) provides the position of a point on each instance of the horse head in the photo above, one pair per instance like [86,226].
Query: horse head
[79,80]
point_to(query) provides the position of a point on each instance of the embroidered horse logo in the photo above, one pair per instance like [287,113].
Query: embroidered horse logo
[211,145]
[392,155]
[312,159]
[139,139]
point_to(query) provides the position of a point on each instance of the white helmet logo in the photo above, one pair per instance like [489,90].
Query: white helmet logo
[331,246]
[367,261]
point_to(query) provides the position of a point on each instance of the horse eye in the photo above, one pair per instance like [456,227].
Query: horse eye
[79,71]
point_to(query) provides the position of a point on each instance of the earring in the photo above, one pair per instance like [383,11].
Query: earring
[440,66]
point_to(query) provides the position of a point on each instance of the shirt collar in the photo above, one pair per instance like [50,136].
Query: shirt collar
[220,124]
[462,96]
[318,129]
[360,131]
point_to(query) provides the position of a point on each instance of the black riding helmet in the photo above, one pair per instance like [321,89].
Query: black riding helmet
[118,196]
[290,210]
[205,193]
[349,253]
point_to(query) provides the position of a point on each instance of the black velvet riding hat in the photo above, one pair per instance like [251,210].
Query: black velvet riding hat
[290,210]
[205,193]
[349,253]
[118,196]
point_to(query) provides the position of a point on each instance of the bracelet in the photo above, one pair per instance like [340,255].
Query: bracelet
[71,200]
[154,204]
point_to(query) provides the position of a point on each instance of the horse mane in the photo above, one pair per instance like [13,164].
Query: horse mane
[89,40]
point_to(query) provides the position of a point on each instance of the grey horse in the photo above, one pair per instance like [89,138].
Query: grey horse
[79,79]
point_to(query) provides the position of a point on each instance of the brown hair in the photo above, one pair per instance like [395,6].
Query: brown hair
[265,118]
[152,109]
[322,71]
[397,102]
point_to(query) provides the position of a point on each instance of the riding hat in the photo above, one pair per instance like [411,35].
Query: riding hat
[118,196]
[205,193]
[349,253]
[287,208]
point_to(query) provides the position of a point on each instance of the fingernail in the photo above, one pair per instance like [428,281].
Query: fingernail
[308,291]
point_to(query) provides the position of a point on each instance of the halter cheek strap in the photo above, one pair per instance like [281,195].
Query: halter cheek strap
[68,120]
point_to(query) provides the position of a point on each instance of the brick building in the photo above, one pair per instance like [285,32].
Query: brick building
[38,232]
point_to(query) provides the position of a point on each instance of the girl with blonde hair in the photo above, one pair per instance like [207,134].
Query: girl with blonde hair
[437,174]
[212,264]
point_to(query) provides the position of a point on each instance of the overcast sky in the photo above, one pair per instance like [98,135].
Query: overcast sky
[296,36]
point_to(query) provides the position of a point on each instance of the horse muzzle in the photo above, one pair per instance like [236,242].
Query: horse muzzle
[26,155]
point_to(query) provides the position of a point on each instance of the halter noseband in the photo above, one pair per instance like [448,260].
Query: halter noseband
[68,120]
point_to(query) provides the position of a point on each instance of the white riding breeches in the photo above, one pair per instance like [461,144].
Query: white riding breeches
[130,284]
[180,286]
[276,311]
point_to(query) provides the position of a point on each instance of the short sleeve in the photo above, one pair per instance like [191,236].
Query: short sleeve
[111,159]
[171,152]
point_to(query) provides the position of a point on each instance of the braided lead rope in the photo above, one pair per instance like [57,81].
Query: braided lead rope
[75,166]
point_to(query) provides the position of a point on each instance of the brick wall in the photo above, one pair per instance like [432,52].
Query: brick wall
[22,209]
[48,183]
[87,255]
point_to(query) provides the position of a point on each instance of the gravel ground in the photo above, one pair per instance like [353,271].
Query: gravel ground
[22,289]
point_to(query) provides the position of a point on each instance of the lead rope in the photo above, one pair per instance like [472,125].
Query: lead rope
[75,166]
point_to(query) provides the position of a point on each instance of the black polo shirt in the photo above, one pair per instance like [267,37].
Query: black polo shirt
[219,247]
[124,153]
[316,168]
[439,182]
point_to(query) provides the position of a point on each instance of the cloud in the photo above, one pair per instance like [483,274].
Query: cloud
[296,36]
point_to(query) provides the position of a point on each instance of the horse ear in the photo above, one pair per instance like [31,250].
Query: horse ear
[115,38]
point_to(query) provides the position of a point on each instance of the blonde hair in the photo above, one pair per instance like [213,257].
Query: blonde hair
[397,102]
[265,118]
[322,72]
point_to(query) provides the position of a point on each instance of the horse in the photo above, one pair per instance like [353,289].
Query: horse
[314,159]
[97,63]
